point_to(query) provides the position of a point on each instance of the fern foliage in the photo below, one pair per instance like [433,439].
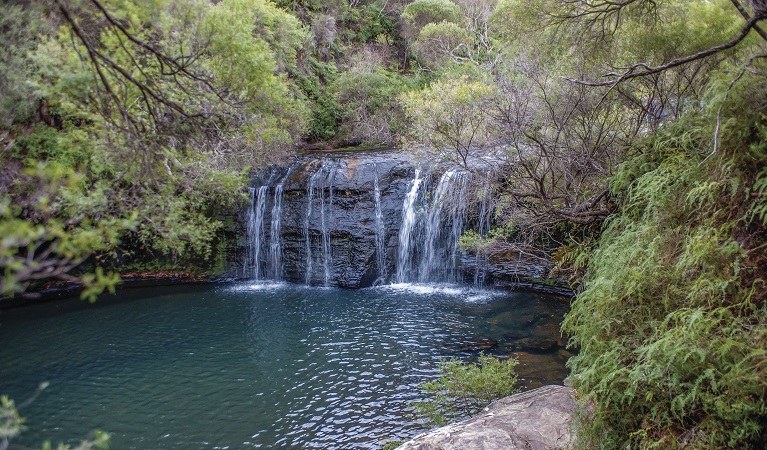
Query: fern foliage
[672,321]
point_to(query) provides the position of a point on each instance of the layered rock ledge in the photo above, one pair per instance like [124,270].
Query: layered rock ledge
[539,419]
[340,218]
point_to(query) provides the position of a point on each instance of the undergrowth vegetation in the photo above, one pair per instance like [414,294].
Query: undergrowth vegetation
[464,389]
[671,324]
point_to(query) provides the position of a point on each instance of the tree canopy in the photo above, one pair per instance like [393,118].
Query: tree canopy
[131,121]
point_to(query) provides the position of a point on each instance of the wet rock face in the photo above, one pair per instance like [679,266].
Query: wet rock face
[328,229]
[341,221]
[538,420]
[519,272]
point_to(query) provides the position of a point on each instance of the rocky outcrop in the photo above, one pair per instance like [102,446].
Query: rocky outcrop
[328,200]
[535,420]
[513,270]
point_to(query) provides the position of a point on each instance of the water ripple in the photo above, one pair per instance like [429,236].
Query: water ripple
[257,365]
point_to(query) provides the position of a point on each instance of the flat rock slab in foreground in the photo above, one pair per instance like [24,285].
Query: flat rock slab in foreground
[534,420]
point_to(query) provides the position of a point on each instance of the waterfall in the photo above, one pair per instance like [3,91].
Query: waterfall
[380,231]
[435,249]
[483,226]
[317,193]
[444,225]
[457,218]
[325,219]
[431,260]
[309,198]
[404,256]
[275,230]
[323,226]
[250,234]
[255,232]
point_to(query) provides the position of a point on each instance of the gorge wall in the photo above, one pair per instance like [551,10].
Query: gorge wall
[356,219]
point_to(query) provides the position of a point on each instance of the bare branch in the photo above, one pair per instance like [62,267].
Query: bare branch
[644,69]
[606,14]
[747,16]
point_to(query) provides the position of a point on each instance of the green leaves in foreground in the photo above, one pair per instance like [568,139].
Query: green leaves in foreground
[464,389]
[72,223]
[12,424]
[10,421]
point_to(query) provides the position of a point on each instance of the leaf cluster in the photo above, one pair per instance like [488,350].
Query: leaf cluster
[422,12]
[12,424]
[464,389]
[349,72]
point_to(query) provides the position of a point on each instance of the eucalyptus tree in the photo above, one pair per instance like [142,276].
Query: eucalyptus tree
[145,115]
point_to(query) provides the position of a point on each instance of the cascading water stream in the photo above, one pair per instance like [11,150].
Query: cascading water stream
[320,182]
[483,226]
[325,220]
[404,252]
[432,258]
[255,231]
[380,231]
[432,254]
[250,235]
[275,232]
[309,199]
[457,219]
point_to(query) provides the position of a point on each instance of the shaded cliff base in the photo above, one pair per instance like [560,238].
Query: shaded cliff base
[55,290]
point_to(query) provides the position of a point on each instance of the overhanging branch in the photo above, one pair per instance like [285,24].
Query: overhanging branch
[644,69]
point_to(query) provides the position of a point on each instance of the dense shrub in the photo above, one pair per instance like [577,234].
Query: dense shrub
[672,323]
[422,12]
[464,389]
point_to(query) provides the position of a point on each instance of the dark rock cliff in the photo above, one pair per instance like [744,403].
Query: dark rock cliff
[328,228]
[344,193]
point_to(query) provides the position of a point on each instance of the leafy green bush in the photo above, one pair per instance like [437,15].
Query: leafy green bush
[368,100]
[54,147]
[422,12]
[367,23]
[438,43]
[464,389]
[391,445]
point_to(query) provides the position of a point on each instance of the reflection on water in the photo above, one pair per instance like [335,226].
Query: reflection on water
[260,365]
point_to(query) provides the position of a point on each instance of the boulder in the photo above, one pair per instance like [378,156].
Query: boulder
[534,420]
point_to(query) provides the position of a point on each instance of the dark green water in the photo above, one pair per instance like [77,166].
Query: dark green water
[252,366]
